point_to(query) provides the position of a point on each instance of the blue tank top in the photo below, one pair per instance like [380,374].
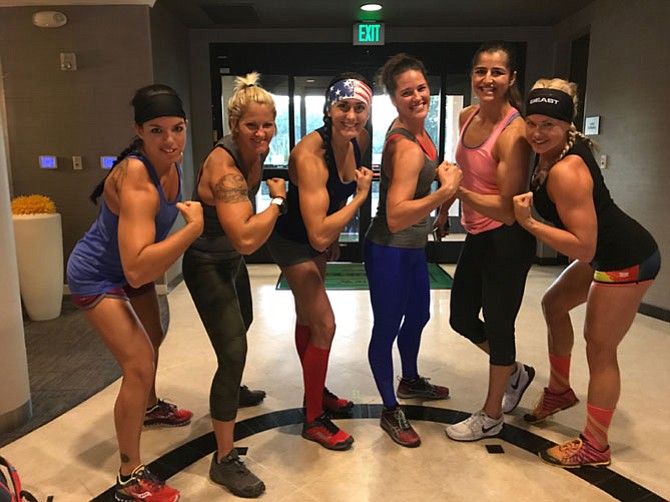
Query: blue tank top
[291,225]
[94,266]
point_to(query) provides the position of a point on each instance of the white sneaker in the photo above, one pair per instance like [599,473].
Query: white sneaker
[479,425]
[516,385]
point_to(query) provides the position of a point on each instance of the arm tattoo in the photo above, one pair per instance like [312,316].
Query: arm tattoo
[118,175]
[231,188]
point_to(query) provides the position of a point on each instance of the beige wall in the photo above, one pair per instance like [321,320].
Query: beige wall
[627,75]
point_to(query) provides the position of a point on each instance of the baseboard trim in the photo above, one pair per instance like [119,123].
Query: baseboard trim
[655,312]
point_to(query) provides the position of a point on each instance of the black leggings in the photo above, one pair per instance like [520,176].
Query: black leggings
[491,277]
[221,292]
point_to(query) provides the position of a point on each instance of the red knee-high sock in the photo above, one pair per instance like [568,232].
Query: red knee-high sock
[597,425]
[314,368]
[559,377]
[302,336]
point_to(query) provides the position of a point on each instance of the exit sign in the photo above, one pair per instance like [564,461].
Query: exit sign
[369,34]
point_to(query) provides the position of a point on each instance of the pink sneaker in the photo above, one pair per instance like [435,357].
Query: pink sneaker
[550,403]
[576,453]
[167,415]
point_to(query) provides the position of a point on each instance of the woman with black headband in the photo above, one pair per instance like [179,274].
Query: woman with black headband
[490,276]
[615,262]
[395,256]
[112,269]
[214,268]
[324,172]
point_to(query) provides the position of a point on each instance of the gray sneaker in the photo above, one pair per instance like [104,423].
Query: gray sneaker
[478,426]
[234,475]
[516,385]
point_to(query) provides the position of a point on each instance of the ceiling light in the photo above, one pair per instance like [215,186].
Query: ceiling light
[371,7]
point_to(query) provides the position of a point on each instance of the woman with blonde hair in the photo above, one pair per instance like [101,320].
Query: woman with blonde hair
[214,268]
[615,263]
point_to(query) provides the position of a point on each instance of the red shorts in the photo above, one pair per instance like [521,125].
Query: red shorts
[125,293]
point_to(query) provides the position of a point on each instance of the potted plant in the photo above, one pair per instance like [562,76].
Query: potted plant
[39,253]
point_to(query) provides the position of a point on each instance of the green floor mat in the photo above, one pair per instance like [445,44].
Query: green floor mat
[352,276]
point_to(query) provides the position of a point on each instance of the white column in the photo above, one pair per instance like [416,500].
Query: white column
[15,404]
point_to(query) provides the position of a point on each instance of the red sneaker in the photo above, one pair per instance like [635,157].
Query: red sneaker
[143,487]
[398,427]
[421,388]
[167,415]
[327,434]
[334,404]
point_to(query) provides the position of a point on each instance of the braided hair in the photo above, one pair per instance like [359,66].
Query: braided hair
[139,100]
[327,120]
[569,88]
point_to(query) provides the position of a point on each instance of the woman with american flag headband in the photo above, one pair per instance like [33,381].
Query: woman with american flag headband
[324,172]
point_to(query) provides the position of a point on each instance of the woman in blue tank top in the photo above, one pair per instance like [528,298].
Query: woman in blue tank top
[615,262]
[324,171]
[112,269]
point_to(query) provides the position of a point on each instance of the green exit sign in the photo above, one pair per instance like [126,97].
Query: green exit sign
[369,34]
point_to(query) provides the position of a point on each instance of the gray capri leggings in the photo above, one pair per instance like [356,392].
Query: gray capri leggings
[221,292]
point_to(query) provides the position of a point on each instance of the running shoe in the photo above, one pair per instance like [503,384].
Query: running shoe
[250,397]
[234,475]
[143,486]
[550,403]
[166,415]
[327,434]
[334,404]
[398,428]
[420,387]
[576,453]
[478,426]
[516,385]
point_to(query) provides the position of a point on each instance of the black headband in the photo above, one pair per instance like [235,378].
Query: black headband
[159,105]
[550,102]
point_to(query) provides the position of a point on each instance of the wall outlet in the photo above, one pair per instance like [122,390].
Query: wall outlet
[77,164]
[603,162]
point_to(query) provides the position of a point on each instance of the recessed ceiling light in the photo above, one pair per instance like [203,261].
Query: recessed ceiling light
[371,7]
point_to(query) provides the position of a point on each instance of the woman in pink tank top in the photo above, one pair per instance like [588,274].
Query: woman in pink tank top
[491,273]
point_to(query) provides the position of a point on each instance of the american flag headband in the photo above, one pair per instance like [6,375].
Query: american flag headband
[350,88]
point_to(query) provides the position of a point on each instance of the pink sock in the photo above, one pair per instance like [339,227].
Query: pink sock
[597,425]
[559,377]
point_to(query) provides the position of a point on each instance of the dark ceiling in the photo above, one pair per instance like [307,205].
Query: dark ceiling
[397,13]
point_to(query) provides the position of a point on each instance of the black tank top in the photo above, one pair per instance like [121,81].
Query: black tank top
[622,241]
[291,225]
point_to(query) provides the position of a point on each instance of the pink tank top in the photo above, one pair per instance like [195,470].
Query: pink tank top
[480,171]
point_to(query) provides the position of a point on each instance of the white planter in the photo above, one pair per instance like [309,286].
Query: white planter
[39,253]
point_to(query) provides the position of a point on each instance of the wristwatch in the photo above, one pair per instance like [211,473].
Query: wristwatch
[281,204]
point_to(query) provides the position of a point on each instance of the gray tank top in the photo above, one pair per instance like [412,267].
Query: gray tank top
[213,239]
[416,235]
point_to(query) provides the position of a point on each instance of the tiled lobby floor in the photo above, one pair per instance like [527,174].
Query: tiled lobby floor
[74,457]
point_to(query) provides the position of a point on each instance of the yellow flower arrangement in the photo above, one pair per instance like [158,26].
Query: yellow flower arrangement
[33,204]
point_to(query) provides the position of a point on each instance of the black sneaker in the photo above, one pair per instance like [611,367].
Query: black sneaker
[250,397]
[234,475]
